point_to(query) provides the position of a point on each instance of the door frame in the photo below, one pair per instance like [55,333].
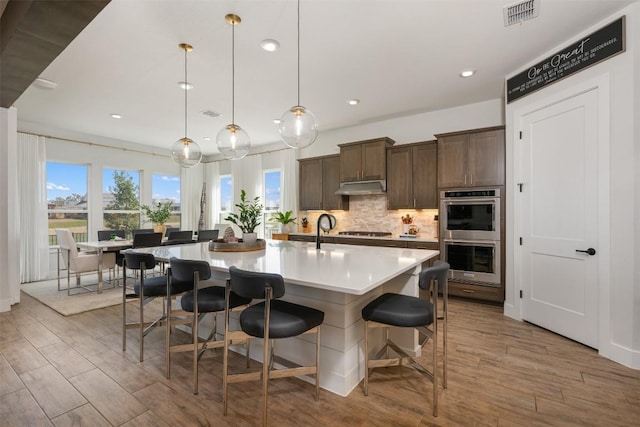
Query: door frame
[545,98]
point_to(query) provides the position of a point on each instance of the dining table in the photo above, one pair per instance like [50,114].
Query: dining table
[113,245]
[337,279]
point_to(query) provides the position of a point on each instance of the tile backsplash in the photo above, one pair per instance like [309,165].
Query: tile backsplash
[369,213]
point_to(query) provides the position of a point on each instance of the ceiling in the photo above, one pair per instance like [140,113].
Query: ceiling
[398,57]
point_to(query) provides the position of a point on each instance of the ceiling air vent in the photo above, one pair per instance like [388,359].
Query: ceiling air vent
[211,113]
[522,11]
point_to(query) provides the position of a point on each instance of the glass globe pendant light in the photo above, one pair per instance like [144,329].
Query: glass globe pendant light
[233,141]
[298,127]
[185,151]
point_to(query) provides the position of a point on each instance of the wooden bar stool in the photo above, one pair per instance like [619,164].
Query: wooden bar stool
[405,311]
[198,302]
[270,319]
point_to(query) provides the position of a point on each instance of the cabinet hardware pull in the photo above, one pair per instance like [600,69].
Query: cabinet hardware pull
[469,291]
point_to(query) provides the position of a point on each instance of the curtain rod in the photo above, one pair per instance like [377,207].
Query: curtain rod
[252,154]
[95,144]
[138,151]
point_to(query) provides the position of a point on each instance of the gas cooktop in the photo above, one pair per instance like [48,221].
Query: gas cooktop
[366,233]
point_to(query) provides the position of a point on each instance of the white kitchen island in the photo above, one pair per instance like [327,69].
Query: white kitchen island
[337,279]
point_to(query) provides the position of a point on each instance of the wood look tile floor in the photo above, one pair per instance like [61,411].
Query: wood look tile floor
[71,371]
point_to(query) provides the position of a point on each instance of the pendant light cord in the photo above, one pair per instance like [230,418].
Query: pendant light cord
[186,83]
[298,52]
[233,73]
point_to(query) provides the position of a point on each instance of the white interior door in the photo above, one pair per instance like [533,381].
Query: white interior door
[560,217]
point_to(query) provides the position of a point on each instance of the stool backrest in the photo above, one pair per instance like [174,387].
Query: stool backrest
[251,284]
[183,269]
[134,261]
[438,272]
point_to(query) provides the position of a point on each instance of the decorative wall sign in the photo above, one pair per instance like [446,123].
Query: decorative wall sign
[597,46]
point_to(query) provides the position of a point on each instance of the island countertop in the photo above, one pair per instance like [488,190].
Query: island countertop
[349,269]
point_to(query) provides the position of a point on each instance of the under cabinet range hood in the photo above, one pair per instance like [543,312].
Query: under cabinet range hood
[362,188]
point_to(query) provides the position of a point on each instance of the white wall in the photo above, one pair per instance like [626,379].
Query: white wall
[9,217]
[415,128]
[623,312]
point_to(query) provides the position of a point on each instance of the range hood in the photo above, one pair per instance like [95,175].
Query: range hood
[362,188]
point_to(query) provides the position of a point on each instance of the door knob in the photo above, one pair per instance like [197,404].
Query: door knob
[589,251]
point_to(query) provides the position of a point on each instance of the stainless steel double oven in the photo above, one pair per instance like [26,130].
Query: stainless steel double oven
[470,234]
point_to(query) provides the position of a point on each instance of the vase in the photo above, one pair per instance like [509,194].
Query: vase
[405,228]
[285,228]
[160,228]
[249,237]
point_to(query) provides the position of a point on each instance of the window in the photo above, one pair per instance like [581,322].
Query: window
[226,196]
[67,203]
[272,201]
[120,199]
[163,189]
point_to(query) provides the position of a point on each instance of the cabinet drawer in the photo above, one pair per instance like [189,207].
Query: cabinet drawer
[479,292]
[434,246]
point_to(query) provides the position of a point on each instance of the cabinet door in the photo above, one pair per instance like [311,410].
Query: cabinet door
[350,163]
[485,159]
[331,183]
[374,161]
[310,184]
[399,179]
[451,161]
[425,167]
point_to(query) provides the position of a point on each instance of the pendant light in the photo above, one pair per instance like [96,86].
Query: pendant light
[298,127]
[232,141]
[186,152]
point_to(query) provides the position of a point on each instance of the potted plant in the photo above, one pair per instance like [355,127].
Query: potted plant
[158,215]
[248,218]
[284,219]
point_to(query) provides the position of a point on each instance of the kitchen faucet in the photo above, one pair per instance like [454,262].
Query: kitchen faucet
[332,223]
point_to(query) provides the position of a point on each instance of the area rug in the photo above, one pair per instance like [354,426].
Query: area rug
[80,299]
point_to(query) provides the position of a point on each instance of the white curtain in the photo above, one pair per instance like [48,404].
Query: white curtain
[212,178]
[32,196]
[190,190]
[289,173]
[247,175]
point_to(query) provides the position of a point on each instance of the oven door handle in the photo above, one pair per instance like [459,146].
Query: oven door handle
[472,242]
[462,201]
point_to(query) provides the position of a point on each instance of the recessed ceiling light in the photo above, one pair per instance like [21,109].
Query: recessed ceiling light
[207,138]
[116,116]
[276,121]
[467,73]
[185,85]
[44,83]
[270,45]
[353,101]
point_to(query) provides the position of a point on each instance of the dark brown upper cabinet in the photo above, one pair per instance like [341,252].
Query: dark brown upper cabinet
[364,160]
[473,158]
[319,179]
[412,176]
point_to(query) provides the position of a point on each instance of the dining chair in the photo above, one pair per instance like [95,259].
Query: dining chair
[180,235]
[207,235]
[405,311]
[104,235]
[146,240]
[270,320]
[78,262]
[203,298]
[145,290]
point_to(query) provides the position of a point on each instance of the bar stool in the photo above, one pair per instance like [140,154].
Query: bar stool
[270,319]
[146,289]
[198,302]
[405,311]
